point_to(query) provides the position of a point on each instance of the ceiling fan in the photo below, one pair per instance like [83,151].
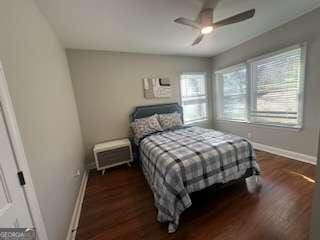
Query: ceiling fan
[205,25]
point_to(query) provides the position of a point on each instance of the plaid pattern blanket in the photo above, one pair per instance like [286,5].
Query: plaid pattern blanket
[178,162]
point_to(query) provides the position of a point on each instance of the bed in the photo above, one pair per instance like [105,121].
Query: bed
[178,162]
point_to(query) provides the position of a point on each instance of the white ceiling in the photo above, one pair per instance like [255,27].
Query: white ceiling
[146,26]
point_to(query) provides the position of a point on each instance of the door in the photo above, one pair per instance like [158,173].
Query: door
[14,210]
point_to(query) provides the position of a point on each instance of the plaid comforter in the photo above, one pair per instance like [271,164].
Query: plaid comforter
[178,162]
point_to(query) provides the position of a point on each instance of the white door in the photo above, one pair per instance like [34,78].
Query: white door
[14,210]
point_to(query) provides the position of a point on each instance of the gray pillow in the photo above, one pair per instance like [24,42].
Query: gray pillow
[170,120]
[144,126]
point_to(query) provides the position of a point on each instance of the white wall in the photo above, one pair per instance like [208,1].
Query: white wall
[38,77]
[305,28]
[108,85]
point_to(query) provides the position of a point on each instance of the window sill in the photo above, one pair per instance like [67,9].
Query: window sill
[231,121]
[263,125]
[191,123]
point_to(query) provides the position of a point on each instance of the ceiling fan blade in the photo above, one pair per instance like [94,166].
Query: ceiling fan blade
[205,17]
[188,22]
[198,40]
[236,18]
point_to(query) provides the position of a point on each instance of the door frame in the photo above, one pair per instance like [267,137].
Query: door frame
[21,159]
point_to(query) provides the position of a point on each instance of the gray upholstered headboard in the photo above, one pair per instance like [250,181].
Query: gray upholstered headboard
[146,111]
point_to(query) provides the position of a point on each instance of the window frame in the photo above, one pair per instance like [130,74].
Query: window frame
[219,91]
[250,87]
[206,100]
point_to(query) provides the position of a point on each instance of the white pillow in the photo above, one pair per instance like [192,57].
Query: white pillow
[170,120]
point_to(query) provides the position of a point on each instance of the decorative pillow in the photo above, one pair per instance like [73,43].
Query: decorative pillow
[170,120]
[144,126]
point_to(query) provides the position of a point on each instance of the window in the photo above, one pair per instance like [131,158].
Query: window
[194,97]
[271,93]
[277,83]
[232,93]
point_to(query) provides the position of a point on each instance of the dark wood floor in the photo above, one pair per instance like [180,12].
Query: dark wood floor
[119,205]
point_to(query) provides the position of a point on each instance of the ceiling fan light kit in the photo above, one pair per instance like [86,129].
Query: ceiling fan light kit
[205,25]
[206,30]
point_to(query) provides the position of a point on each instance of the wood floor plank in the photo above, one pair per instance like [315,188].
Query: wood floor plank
[119,205]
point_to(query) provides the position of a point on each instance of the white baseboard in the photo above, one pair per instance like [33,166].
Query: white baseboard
[72,231]
[286,153]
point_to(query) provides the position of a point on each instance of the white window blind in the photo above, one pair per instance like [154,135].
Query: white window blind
[231,86]
[277,87]
[194,97]
[266,90]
